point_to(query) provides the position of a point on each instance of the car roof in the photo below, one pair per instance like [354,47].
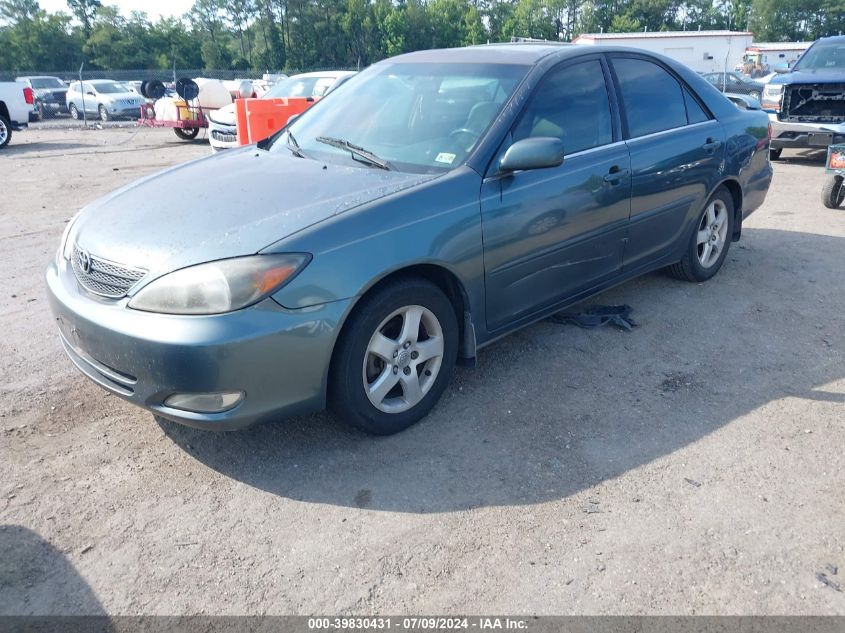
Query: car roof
[518,53]
[524,53]
[321,73]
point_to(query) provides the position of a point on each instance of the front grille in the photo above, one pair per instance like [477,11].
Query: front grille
[103,277]
[814,103]
[222,136]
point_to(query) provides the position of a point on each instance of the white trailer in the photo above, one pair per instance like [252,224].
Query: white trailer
[703,51]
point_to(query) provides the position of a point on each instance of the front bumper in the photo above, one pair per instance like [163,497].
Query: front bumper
[222,136]
[125,111]
[279,358]
[786,134]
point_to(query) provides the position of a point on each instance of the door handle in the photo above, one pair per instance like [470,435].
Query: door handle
[711,145]
[616,174]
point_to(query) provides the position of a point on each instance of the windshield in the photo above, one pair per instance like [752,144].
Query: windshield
[422,118]
[292,87]
[824,56]
[110,88]
[46,82]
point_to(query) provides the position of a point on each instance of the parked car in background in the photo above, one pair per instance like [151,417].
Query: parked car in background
[49,92]
[104,98]
[439,201]
[736,84]
[223,131]
[16,103]
[806,103]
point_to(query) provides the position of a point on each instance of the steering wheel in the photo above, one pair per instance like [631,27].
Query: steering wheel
[463,130]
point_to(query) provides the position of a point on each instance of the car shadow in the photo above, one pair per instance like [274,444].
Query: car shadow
[554,409]
[37,579]
[16,148]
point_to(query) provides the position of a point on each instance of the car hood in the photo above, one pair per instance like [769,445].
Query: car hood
[807,77]
[224,115]
[226,205]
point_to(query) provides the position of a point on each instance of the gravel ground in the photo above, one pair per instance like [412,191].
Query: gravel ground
[691,466]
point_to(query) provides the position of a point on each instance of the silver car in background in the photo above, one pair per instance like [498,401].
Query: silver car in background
[104,98]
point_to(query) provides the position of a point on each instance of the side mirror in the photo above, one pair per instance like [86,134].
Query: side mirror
[532,153]
[781,68]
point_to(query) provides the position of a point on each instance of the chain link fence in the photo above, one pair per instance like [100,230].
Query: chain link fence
[161,75]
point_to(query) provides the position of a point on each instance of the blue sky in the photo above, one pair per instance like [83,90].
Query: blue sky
[154,8]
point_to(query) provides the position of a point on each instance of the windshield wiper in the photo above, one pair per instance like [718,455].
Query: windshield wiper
[356,150]
[293,146]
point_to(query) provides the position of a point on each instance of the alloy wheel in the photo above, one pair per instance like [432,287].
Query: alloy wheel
[712,233]
[4,131]
[403,359]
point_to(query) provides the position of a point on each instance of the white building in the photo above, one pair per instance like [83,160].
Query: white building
[703,51]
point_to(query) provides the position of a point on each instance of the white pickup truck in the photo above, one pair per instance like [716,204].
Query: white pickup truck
[16,102]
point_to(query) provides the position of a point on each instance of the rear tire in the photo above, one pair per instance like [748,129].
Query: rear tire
[394,357]
[5,131]
[710,240]
[833,193]
[74,113]
[774,154]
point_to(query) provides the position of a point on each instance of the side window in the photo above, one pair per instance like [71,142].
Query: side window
[695,113]
[653,98]
[571,104]
[322,86]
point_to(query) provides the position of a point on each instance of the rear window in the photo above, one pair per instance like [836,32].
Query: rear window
[653,99]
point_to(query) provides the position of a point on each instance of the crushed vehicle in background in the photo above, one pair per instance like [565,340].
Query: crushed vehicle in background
[806,104]
[16,103]
[50,96]
[223,123]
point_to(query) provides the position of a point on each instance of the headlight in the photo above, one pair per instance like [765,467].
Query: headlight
[773,91]
[65,246]
[221,286]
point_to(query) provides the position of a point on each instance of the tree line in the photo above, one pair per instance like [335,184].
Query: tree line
[274,35]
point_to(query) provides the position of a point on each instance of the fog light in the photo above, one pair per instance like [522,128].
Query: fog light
[205,402]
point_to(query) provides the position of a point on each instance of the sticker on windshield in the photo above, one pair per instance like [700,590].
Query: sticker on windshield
[445,157]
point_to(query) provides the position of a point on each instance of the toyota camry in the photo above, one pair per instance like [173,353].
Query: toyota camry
[434,203]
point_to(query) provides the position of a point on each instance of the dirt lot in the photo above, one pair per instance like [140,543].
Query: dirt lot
[694,465]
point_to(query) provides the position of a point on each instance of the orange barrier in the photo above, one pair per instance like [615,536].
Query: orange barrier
[259,118]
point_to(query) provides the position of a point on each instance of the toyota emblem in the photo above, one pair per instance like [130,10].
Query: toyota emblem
[85,262]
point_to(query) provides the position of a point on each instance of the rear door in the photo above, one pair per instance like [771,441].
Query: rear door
[677,150]
[549,233]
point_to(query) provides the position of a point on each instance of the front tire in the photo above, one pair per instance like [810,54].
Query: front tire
[394,357]
[104,114]
[833,193]
[709,243]
[5,131]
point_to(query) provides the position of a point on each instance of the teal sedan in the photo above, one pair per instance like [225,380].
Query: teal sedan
[432,204]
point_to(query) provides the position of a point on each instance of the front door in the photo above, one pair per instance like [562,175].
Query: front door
[550,233]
